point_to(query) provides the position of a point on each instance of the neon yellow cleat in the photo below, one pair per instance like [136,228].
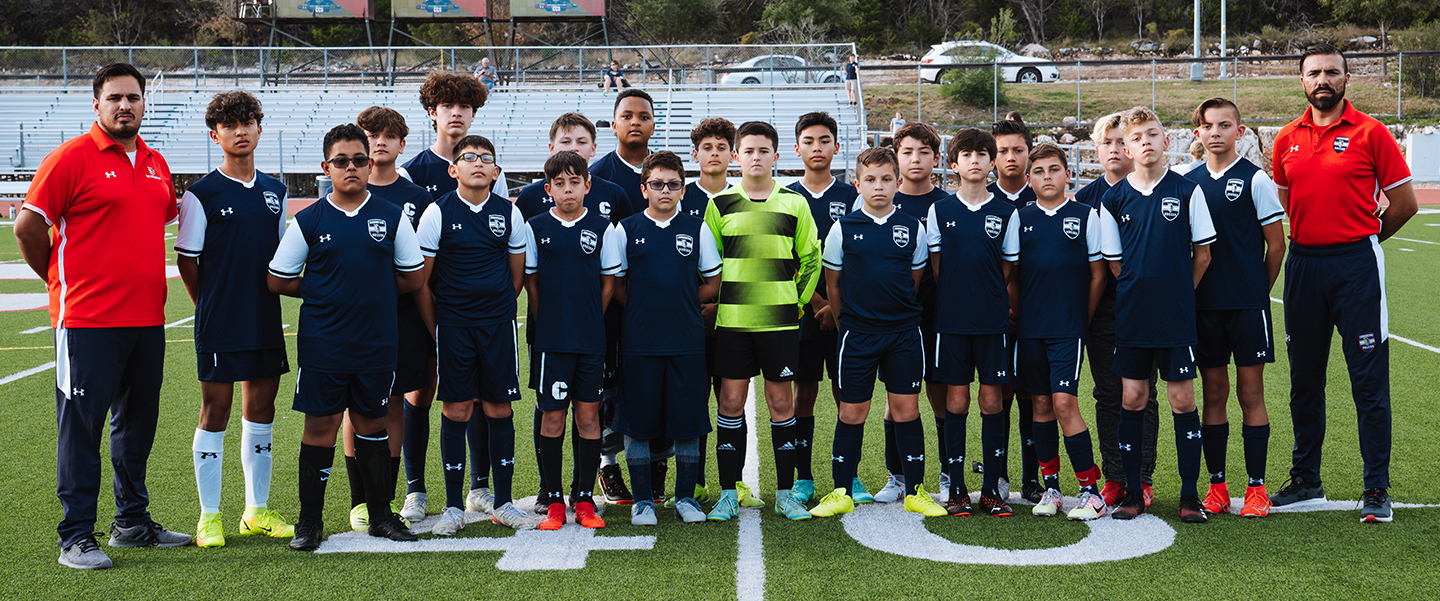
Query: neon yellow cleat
[922,503]
[834,503]
[360,518]
[210,531]
[746,498]
[261,520]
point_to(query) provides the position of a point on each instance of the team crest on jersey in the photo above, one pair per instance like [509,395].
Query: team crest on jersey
[1367,341]
[497,224]
[837,210]
[1341,143]
[1233,188]
[377,229]
[993,225]
[901,235]
[1071,227]
[1170,208]
[272,201]
[588,240]
[684,244]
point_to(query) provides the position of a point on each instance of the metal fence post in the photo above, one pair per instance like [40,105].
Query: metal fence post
[1152,84]
[65,67]
[917,93]
[196,54]
[1077,92]
[325,64]
[994,91]
[1400,87]
[1234,78]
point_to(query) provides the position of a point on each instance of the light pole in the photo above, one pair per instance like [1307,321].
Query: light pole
[1197,70]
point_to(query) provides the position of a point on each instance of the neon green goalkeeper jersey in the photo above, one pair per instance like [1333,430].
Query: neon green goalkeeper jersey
[770,259]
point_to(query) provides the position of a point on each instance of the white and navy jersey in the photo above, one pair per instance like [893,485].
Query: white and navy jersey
[1242,200]
[431,172]
[659,260]
[835,201]
[695,200]
[232,228]
[614,169]
[1150,233]
[348,319]
[972,241]
[1056,249]
[567,258]
[471,245]
[876,257]
[604,198]
[1093,192]
[918,206]
[1024,198]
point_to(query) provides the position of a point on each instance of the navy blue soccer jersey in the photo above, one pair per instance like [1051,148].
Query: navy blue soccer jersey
[471,245]
[1056,249]
[232,228]
[431,172]
[1093,192]
[972,241]
[826,208]
[695,200]
[567,258]
[412,200]
[657,260]
[876,257]
[1151,232]
[1242,200]
[614,169]
[604,198]
[348,319]
[1024,198]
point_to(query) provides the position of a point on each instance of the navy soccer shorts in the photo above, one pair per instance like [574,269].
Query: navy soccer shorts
[817,357]
[1048,366]
[415,350]
[1242,333]
[663,395]
[899,357]
[478,362]
[242,366]
[1175,364]
[328,393]
[959,357]
[566,377]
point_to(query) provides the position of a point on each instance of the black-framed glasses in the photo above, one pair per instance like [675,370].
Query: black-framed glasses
[656,185]
[344,162]
[471,157]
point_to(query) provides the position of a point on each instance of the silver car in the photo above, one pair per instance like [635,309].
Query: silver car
[776,69]
[969,51]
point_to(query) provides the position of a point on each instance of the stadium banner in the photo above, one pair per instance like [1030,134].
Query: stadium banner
[439,9]
[324,9]
[556,8]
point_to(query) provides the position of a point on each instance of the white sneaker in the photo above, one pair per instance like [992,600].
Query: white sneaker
[480,501]
[944,488]
[1049,504]
[893,491]
[642,513]
[414,509]
[513,517]
[451,521]
[1003,487]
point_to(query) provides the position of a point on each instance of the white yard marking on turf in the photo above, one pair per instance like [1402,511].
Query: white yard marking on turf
[29,372]
[565,549]
[1414,240]
[35,330]
[24,301]
[750,548]
[1237,503]
[22,271]
[1392,335]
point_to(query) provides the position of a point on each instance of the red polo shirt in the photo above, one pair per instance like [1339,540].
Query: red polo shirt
[107,258]
[1334,175]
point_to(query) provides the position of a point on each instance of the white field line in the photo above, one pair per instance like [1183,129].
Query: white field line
[1414,240]
[750,548]
[51,364]
[35,330]
[1408,341]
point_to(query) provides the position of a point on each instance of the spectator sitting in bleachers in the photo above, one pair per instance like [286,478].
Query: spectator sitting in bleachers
[487,74]
[613,78]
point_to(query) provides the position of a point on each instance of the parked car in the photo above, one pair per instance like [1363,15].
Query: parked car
[969,51]
[777,69]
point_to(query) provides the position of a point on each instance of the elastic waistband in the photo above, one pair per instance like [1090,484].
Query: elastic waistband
[1334,250]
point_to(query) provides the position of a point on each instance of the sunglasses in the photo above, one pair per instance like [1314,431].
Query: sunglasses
[471,157]
[344,162]
[659,186]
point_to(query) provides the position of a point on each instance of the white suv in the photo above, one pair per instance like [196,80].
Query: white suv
[967,51]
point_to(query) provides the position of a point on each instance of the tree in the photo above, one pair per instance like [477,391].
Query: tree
[808,17]
[1385,13]
[673,21]
[1034,11]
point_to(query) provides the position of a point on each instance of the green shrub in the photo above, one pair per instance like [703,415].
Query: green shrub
[1421,74]
[972,87]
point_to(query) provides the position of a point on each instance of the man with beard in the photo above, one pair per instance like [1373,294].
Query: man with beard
[1330,166]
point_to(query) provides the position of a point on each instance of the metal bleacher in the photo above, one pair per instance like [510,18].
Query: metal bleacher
[517,121]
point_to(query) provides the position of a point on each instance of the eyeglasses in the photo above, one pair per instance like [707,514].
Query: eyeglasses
[471,157]
[344,162]
[656,185]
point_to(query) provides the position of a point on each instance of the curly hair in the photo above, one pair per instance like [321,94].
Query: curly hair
[445,87]
[714,127]
[235,106]
[382,120]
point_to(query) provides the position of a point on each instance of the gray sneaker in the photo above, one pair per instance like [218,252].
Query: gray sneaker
[642,513]
[1377,506]
[146,535]
[85,555]
[688,510]
[1299,493]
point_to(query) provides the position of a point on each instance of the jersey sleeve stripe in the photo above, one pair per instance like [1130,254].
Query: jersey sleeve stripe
[40,211]
[1109,257]
[1272,218]
[834,266]
[187,252]
[409,267]
[1204,241]
[284,274]
[712,272]
[1397,184]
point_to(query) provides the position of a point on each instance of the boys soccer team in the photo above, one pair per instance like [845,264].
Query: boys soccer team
[410,277]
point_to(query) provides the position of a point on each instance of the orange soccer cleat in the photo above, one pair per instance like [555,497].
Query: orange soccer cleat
[1257,503]
[554,517]
[585,515]
[1218,499]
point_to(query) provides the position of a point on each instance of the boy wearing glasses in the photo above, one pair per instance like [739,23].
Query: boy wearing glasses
[357,257]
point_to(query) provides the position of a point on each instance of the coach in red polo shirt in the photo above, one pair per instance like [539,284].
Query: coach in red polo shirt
[106,197]
[1331,166]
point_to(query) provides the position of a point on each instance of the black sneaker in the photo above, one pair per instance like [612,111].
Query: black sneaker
[308,534]
[1191,511]
[1298,493]
[612,483]
[1032,491]
[991,505]
[1377,506]
[150,534]
[1131,506]
[658,470]
[392,528]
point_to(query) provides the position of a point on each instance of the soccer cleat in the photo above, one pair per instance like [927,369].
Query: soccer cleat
[392,528]
[414,508]
[747,499]
[150,534]
[1218,499]
[1192,511]
[944,491]
[1257,503]
[1147,491]
[479,501]
[85,555]
[803,491]
[862,496]
[1031,491]
[642,513]
[261,520]
[834,503]
[210,532]
[585,515]
[893,491]
[554,517]
[701,496]
[1049,504]
[1377,506]
[922,503]
[959,507]
[1299,493]
[612,483]
[1113,493]
[993,505]
[689,511]
[308,535]
[1002,488]
[1130,507]
[1088,506]
[513,517]
[727,508]
[451,521]
[360,518]
[787,507]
